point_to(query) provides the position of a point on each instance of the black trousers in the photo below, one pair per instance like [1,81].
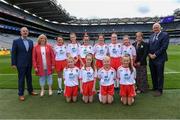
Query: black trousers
[24,72]
[157,75]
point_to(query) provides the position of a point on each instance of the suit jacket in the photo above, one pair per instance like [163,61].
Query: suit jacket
[19,55]
[141,52]
[159,46]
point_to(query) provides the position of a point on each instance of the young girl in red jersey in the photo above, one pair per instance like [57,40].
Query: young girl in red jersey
[126,75]
[107,76]
[100,51]
[60,60]
[73,49]
[88,75]
[71,80]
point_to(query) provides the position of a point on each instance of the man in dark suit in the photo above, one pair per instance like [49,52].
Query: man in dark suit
[158,44]
[21,58]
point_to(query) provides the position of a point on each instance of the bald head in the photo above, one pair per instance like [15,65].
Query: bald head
[24,32]
[156,27]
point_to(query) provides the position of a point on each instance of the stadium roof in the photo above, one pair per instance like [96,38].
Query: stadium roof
[51,11]
[46,9]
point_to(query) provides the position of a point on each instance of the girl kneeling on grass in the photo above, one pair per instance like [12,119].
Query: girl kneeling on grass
[43,63]
[107,76]
[88,79]
[71,80]
[126,75]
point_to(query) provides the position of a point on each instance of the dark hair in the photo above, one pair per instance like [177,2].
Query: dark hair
[59,36]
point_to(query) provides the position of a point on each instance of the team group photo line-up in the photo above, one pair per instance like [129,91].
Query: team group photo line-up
[117,66]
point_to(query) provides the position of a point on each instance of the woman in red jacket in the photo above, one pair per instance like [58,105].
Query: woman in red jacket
[43,63]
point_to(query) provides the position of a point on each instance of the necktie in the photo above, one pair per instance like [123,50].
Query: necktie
[155,37]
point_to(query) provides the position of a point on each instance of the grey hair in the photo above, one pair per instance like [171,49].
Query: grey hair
[126,36]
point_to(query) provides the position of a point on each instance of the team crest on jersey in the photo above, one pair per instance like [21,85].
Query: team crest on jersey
[89,75]
[106,79]
[101,51]
[73,49]
[126,76]
[71,76]
[85,51]
[61,51]
[114,50]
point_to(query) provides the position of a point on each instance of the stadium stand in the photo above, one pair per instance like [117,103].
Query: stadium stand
[16,13]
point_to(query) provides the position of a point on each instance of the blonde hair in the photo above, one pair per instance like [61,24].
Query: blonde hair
[70,58]
[126,37]
[114,34]
[106,58]
[39,39]
[72,34]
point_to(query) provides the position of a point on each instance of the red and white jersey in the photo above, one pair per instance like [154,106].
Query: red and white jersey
[85,49]
[60,52]
[114,50]
[100,51]
[87,74]
[107,77]
[73,49]
[125,76]
[71,76]
[128,50]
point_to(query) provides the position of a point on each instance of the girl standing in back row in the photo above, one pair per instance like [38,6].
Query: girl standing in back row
[73,49]
[60,60]
[100,51]
[85,49]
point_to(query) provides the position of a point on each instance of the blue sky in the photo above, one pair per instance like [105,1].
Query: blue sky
[119,8]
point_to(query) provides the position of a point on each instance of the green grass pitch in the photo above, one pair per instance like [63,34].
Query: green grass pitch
[49,107]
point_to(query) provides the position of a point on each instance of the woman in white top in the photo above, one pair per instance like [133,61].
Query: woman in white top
[43,63]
